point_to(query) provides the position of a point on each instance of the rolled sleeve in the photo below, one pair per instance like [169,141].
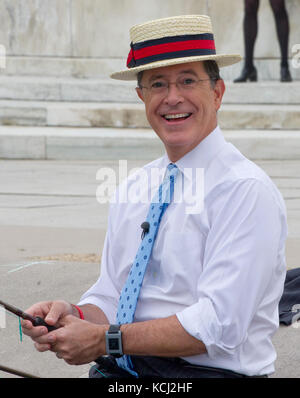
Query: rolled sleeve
[241,256]
[200,321]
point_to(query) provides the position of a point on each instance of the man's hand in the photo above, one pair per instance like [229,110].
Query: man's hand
[76,341]
[50,311]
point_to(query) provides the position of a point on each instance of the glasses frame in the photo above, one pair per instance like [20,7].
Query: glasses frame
[176,83]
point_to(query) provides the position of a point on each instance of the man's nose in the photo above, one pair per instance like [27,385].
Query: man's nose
[173,95]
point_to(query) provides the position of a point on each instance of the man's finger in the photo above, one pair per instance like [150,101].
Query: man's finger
[55,312]
[33,331]
[42,347]
[26,325]
[46,339]
[68,319]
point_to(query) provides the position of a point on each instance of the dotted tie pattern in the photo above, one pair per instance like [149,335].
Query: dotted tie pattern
[130,292]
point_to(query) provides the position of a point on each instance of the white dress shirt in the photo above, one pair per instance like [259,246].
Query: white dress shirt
[218,261]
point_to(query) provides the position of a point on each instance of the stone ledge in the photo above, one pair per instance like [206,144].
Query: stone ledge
[102,67]
[122,115]
[65,89]
[137,144]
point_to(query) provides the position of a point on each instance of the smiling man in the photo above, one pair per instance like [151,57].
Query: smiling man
[197,295]
[181,103]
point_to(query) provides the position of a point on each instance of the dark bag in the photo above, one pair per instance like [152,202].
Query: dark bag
[289,304]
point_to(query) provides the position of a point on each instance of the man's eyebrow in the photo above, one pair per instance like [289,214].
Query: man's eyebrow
[154,77]
[183,72]
[189,71]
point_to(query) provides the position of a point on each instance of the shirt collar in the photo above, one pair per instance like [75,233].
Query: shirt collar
[202,154]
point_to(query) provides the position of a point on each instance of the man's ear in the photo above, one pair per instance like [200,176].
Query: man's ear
[219,90]
[140,93]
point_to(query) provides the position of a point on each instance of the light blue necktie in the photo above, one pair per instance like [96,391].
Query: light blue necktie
[131,289]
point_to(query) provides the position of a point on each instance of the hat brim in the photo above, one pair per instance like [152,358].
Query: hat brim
[221,59]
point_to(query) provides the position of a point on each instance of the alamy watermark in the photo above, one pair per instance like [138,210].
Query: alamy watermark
[142,185]
[296,56]
[296,317]
[2,318]
[2,56]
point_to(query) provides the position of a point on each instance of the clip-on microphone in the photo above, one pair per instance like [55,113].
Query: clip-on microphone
[145,227]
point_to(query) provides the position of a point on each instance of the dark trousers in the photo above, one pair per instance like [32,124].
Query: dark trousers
[107,367]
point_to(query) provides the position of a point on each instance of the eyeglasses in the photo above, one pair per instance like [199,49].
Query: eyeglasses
[183,84]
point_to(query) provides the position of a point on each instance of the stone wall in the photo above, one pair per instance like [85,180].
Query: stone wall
[88,38]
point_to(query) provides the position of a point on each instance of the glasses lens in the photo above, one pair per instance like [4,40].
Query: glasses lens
[158,87]
[187,83]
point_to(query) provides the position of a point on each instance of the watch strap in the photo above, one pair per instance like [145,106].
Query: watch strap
[114,328]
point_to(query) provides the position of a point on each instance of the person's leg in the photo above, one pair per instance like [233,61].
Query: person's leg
[250,27]
[283,29]
[250,30]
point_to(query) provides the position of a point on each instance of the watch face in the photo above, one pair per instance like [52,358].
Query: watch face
[113,344]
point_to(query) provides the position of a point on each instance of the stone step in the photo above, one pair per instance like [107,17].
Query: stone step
[61,143]
[130,115]
[108,90]
[91,67]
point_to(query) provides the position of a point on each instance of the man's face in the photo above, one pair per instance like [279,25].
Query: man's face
[181,116]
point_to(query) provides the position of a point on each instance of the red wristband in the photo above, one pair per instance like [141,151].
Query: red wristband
[79,311]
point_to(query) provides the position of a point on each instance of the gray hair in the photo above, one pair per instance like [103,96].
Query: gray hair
[211,68]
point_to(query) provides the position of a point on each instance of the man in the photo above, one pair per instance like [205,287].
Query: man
[206,302]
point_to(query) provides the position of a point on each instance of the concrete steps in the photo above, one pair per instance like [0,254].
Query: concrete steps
[62,89]
[97,118]
[99,102]
[90,67]
[59,143]
[132,115]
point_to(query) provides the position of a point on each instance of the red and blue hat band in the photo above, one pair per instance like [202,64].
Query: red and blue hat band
[170,47]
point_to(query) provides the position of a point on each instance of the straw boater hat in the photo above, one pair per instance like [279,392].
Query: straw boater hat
[171,41]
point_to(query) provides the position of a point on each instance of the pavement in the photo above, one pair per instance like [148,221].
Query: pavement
[52,230]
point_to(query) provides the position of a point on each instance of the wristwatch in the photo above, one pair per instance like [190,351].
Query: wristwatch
[113,341]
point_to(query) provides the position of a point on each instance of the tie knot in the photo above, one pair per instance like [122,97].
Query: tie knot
[171,166]
[172,171]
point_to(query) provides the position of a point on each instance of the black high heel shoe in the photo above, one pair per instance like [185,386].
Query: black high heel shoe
[285,75]
[247,74]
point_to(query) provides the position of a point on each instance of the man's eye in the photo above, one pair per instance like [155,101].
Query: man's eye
[188,82]
[158,85]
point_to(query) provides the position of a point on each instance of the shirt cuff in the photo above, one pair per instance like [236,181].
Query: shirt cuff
[200,321]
